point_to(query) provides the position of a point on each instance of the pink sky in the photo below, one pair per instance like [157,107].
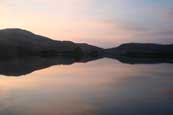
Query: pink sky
[97,22]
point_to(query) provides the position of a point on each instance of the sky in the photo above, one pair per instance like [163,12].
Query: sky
[105,23]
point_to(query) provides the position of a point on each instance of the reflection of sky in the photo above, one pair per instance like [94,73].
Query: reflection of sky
[100,87]
[101,22]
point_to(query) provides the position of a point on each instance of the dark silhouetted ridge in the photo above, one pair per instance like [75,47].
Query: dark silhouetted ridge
[18,43]
[142,50]
[22,52]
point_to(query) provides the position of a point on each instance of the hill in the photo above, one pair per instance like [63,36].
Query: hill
[18,42]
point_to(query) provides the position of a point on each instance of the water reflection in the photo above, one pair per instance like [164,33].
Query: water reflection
[135,60]
[23,66]
[102,87]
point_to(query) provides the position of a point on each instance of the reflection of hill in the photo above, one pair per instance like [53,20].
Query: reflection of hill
[133,60]
[19,48]
[22,66]
[141,53]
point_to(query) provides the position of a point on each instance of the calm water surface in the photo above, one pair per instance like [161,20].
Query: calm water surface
[101,87]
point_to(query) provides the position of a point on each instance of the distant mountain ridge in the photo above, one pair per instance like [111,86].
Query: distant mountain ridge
[22,52]
[142,50]
[18,43]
